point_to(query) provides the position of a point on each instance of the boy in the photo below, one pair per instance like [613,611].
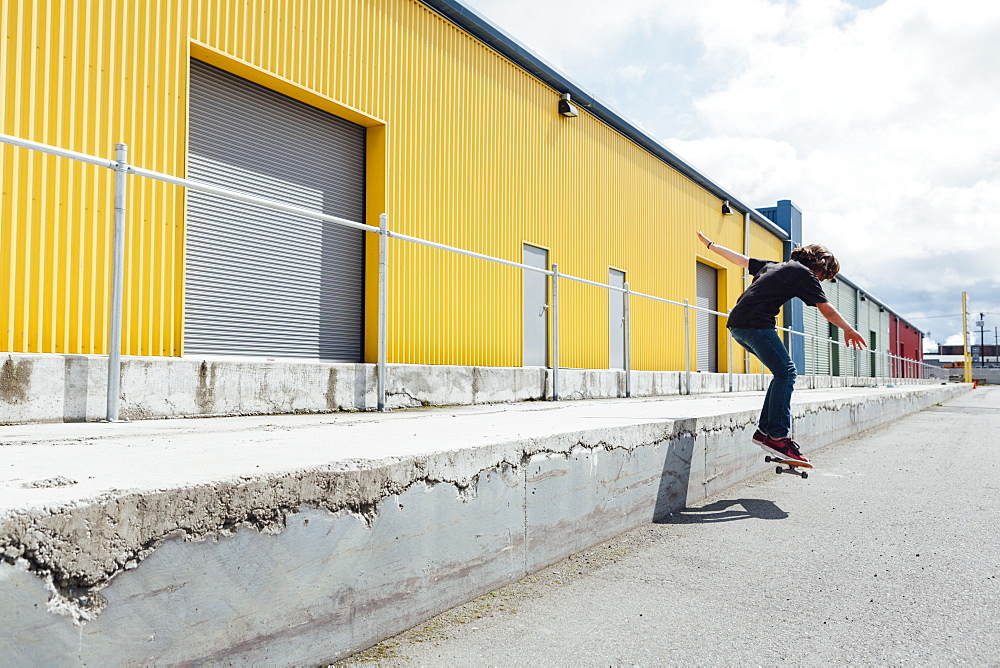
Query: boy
[752,322]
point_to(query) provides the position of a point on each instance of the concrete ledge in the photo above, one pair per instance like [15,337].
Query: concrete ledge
[73,388]
[300,539]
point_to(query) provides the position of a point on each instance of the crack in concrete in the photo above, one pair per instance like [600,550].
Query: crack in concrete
[78,549]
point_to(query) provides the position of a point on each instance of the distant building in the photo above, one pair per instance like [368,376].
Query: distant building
[987,356]
[888,335]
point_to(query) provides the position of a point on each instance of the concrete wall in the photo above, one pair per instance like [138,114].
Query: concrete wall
[73,388]
[306,566]
[987,376]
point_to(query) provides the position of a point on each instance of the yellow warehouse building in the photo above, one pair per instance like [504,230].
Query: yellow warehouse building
[420,112]
[455,141]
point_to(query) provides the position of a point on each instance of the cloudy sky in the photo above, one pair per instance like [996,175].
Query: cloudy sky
[880,119]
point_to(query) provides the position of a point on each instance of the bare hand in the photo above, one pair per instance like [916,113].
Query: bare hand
[854,340]
[705,240]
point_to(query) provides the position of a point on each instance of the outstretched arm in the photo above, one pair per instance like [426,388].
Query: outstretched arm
[851,336]
[731,255]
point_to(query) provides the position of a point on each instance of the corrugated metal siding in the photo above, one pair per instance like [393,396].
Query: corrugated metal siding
[83,76]
[846,303]
[871,319]
[817,351]
[907,342]
[477,154]
[885,343]
[571,185]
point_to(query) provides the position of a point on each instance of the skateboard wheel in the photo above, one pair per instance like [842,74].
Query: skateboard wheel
[804,475]
[778,470]
[768,459]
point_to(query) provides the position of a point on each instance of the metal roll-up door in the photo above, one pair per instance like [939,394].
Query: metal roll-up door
[707,291]
[258,281]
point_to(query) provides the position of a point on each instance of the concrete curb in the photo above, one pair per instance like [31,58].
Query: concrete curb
[73,388]
[346,553]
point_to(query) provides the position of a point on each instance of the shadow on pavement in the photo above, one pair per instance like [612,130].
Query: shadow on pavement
[726,511]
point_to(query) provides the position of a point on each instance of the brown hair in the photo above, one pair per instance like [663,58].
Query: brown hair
[819,259]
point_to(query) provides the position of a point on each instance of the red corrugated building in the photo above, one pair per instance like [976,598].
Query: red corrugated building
[905,341]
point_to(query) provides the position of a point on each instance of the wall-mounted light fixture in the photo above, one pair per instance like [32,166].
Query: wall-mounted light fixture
[726,209]
[567,108]
[862,297]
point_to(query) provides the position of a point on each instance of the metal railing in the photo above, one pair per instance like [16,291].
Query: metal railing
[122,169]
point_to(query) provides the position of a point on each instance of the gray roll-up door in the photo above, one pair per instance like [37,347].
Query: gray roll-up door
[707,291]
[258,281]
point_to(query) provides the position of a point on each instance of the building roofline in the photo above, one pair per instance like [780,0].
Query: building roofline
[500,41]
[868,295]
[493,36]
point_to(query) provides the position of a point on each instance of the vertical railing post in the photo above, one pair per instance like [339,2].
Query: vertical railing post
[555,331]
[729,354]
[829,357]
[687,347]
[117,284]
[628,343]
[383,270]
[856,354]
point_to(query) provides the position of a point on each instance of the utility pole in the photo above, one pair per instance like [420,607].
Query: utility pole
[965,337]
[982,342]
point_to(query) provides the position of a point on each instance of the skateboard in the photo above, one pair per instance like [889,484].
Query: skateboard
[791,464]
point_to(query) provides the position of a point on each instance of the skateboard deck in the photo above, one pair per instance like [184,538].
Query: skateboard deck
[792,465]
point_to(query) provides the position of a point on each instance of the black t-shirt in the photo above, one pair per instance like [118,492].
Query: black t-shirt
[774,283]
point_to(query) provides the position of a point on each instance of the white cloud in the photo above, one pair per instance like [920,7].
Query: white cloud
[632,73]
[881,123]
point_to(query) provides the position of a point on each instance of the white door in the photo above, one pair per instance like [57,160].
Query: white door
[616,320]
[535,334]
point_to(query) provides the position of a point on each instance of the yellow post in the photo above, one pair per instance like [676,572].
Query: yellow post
[965,337]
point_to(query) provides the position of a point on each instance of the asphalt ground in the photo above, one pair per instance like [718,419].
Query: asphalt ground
[888,554]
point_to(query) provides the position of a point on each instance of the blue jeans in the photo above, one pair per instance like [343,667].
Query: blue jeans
[776,416]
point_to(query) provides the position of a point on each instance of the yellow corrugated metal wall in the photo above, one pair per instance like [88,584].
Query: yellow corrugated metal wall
[83,76]
[475,156]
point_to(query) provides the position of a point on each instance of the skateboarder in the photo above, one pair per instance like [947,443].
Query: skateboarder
[752,322]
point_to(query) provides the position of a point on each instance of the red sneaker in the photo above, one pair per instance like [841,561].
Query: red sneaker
[785,448]
[760,438]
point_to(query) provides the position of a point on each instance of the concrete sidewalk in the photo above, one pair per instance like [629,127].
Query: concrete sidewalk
[47,464]
[887,562]
[298,538]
